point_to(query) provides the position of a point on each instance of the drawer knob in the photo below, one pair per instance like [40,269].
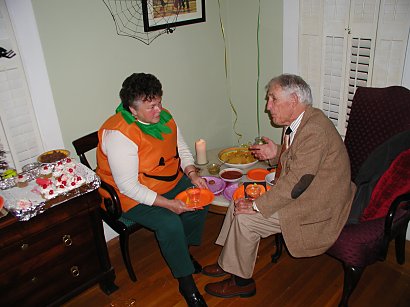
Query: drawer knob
[67,240]
[75,271]
[34,279]
[24,246]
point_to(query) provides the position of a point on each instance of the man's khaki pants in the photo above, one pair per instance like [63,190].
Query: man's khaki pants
[240,236]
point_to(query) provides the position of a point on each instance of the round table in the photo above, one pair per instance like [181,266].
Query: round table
[220,204]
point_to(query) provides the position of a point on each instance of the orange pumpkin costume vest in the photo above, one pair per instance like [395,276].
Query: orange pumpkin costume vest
[159,163]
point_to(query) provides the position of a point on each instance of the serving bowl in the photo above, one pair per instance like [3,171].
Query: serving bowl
[237,157]
[231,174]
[53,156]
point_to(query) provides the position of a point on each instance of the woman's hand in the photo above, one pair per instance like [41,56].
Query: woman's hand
[266,151]
[243,206]
[177,206]
[198,181]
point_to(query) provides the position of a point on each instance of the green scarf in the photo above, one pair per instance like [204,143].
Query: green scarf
[154,130]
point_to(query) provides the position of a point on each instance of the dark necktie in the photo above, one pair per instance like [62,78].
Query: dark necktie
[285,145]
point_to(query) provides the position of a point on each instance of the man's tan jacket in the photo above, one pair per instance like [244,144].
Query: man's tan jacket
[314,193]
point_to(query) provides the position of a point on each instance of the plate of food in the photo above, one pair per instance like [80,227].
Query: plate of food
[205,198]
[257,174]
[216,185]
[239,157]
[53,156]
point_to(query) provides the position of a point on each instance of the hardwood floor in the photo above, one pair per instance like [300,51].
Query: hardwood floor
[315,281]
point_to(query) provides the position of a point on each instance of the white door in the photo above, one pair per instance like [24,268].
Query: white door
[19,133]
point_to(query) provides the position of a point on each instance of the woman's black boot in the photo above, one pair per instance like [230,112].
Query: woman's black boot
[190,292]
[194,299]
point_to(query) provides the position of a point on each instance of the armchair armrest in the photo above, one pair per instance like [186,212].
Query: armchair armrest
[388,224]
[112,204]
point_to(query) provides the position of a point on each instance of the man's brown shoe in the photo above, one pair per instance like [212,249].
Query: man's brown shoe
[228,288]
[213,270]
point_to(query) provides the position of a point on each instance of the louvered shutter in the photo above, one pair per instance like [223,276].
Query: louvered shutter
[362,29]
[336,16]
[19,133]
[310,37]
[363,43]
[361,56]
[391,42]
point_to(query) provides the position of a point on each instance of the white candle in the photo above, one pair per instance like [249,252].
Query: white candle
[200,148]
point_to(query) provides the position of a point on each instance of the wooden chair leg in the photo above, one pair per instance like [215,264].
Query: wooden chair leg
[351,278]
[124,238]
[279,247]
[400,245]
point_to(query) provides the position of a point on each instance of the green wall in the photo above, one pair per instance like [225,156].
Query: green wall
[87,62]
[243,52]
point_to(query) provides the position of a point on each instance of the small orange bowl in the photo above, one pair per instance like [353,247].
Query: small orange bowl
[257,174]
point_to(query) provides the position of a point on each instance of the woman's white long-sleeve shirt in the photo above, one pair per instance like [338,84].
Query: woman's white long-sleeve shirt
[123,159]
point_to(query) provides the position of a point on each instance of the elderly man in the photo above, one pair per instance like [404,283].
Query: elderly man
[310,202]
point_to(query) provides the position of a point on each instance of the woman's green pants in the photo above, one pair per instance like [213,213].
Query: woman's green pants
[175,233]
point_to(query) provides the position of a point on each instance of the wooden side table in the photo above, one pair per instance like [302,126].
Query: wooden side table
[54,255]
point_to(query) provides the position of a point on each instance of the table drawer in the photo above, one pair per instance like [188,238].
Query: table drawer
[49,283]
[54,246]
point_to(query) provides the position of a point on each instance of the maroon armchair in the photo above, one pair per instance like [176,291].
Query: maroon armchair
[377,115]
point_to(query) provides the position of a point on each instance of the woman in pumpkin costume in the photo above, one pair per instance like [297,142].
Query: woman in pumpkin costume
[143,155]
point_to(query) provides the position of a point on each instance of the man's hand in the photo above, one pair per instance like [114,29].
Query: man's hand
[243,206]
[266,151]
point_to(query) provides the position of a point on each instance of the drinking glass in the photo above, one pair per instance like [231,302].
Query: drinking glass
[194,195]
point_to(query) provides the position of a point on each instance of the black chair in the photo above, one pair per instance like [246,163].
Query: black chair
[377,115]
[111,211]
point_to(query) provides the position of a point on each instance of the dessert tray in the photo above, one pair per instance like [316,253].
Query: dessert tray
[68,179]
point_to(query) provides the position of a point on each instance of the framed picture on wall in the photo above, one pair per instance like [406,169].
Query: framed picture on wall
[166,14]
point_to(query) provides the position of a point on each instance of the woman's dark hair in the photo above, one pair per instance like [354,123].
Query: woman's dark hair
[139,87]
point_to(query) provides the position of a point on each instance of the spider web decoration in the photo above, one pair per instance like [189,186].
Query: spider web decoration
[129,21]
